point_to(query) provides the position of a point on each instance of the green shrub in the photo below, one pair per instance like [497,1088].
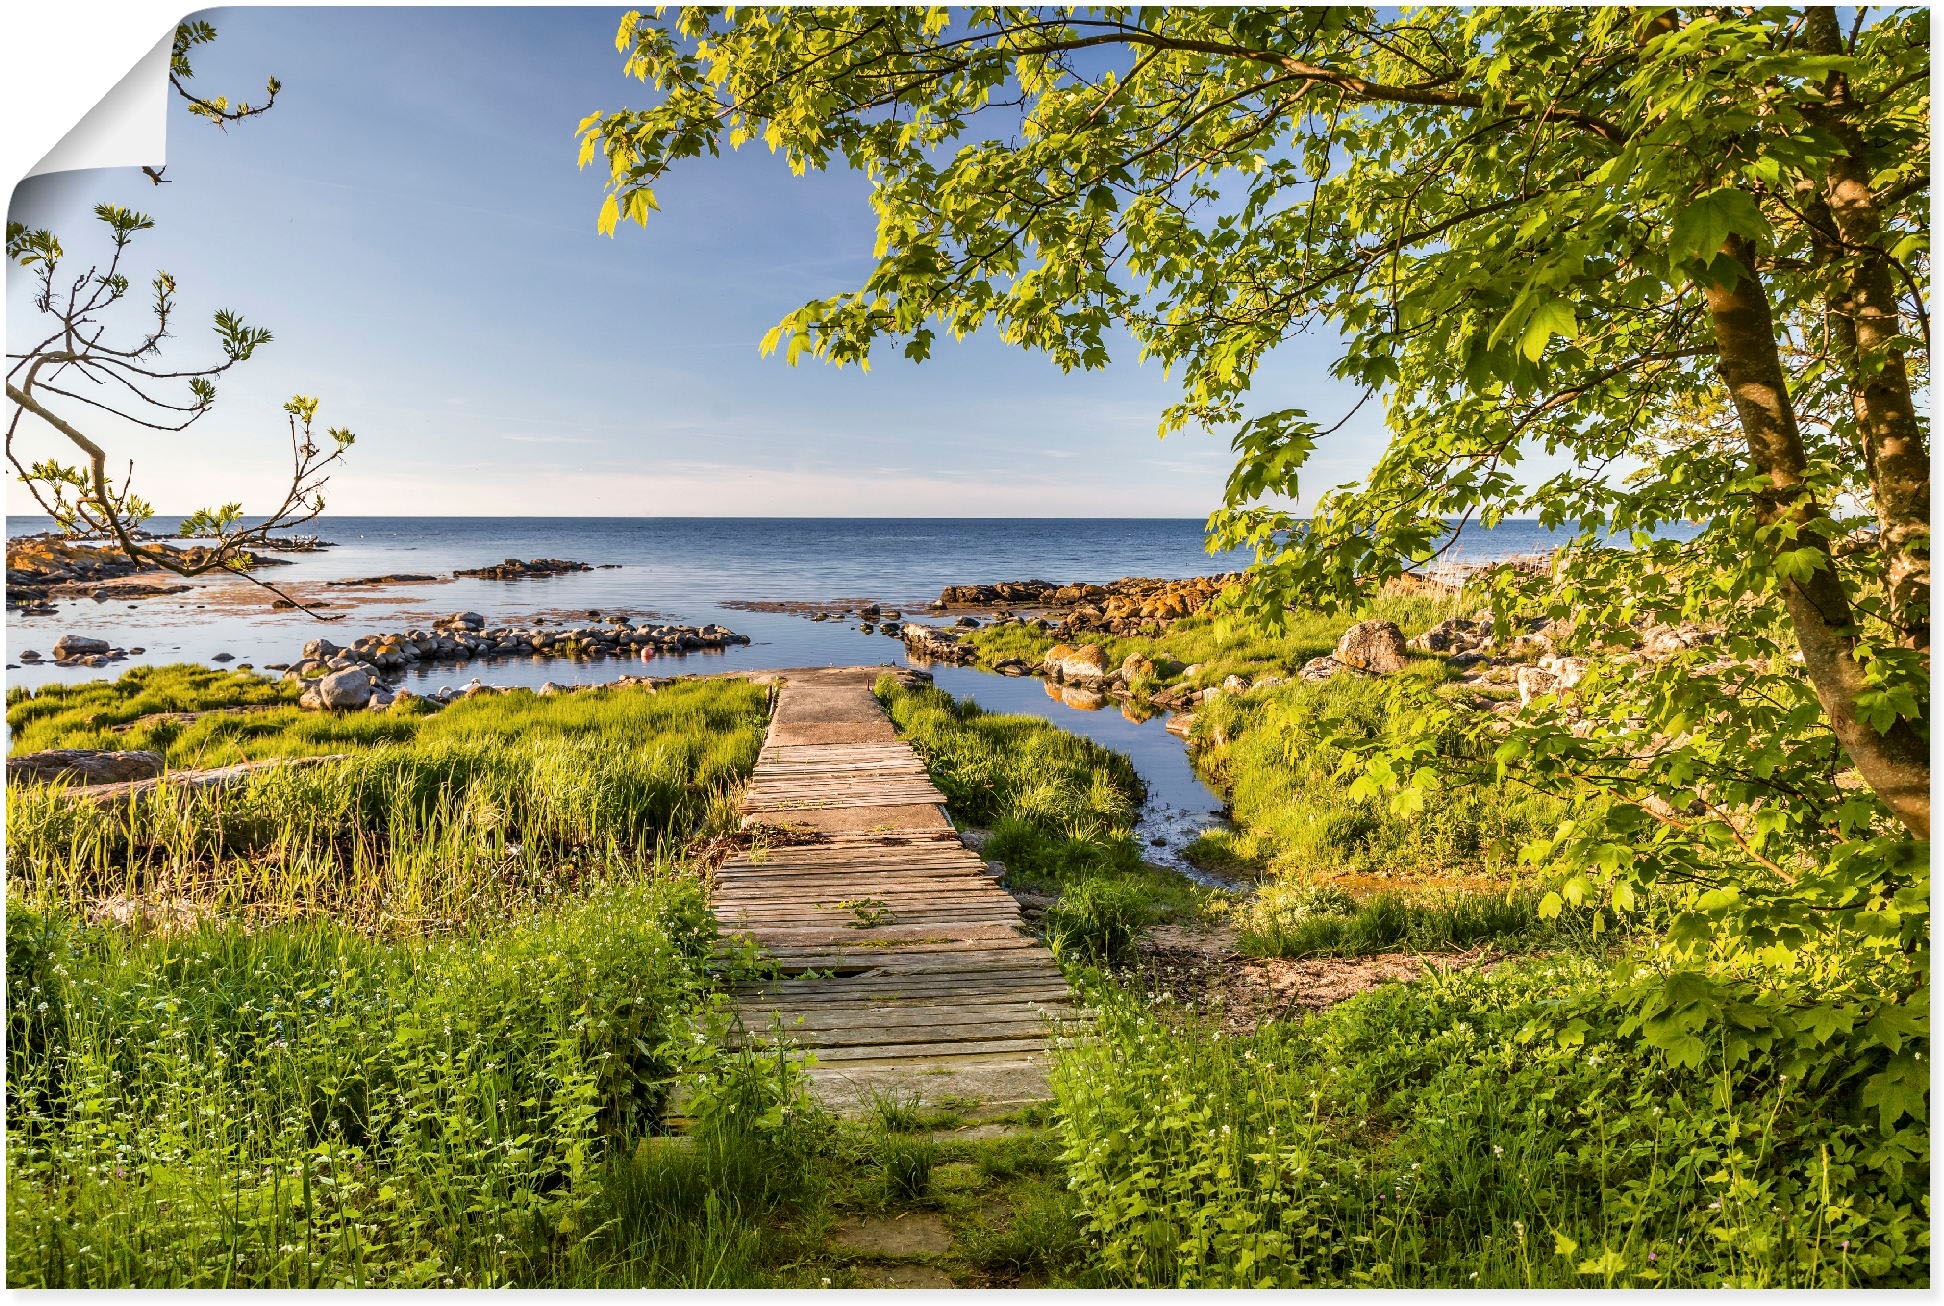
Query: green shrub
[1501,1129]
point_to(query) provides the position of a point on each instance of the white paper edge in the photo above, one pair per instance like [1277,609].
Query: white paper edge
[127,128]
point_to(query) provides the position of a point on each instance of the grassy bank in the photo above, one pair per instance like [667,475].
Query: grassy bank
[432,819]
[402,1019]
[1058,810]
[1342,872]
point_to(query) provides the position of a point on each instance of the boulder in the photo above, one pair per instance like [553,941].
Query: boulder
[1137,666]
[74,646]
[1528,646]
[1535,682]
[87,766]
[343,690]
[1084,664]
[1235,685]
[1374,646]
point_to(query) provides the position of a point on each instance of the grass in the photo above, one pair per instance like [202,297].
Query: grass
[1059,809]
[470,812]
[305,1106]
[1291,919]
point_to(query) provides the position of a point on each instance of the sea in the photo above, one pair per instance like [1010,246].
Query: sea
[691,571]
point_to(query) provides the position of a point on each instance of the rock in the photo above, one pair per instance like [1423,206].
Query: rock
[967,623]
[936,645]
[343,690]
[1086,663]
[1012,667]
[223,657]
[1535,683]
[88,766]
[1455,635]
[1528,646]
[1235,685]
[1569,670]
[74,646]
[320,650]
[470,620]
[1180,723]
[550,689]
[30,655]
[1324,667]
[997,870]
[1137,666]
[1374,646]
[514,569]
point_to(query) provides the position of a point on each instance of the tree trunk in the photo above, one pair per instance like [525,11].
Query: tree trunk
[1896,763]
[1879,379]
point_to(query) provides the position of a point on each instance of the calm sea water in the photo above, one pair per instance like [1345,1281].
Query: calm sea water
[684,569]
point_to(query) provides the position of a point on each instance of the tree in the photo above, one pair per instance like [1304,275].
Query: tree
[78,364]
[1686,247]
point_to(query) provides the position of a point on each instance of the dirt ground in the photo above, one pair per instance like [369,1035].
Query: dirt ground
[1199,966]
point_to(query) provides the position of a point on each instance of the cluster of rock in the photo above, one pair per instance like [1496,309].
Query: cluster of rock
[514,569]
[1132,605]
[349,677]
[81,651]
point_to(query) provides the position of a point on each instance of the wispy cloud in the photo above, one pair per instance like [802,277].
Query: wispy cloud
[549,439]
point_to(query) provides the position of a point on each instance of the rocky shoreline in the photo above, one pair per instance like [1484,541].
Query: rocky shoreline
[355,676]
[42,568]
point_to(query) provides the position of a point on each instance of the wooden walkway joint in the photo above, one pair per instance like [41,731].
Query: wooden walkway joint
[901,963]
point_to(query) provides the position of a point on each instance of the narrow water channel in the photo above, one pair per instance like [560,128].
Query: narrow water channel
[1180,804]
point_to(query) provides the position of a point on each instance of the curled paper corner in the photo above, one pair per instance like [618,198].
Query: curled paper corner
[127,128]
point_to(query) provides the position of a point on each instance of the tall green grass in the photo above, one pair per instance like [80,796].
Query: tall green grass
[305,1106]
[470,812]
[1491,1130]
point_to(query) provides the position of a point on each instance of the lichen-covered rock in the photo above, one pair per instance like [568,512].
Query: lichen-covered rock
[1375,646]
[1137,666]
[1085,664]
[1535,682]
[1455,635]
[87,766]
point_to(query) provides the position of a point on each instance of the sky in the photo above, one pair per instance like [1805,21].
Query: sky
[410,224]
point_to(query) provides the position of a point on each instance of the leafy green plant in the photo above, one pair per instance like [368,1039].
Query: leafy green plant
[1502,1129]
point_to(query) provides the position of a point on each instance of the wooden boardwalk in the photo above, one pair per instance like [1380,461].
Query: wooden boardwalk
[902,965]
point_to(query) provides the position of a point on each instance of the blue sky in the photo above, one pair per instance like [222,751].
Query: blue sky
[410,222]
